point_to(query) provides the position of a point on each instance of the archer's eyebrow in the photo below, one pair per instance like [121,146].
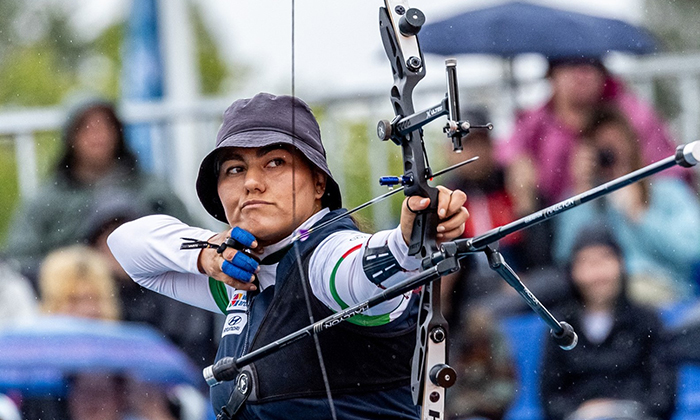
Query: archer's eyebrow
[262,151]
[231,156]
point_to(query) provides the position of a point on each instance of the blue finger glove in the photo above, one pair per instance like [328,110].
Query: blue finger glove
[241,267]
[239,239]
[243,237]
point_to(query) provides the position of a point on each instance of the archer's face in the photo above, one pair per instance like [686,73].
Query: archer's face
[268,191]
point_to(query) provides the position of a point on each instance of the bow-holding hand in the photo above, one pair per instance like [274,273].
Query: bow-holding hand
[451,212]
[231,266]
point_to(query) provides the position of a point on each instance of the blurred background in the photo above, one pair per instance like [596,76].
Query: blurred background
[173,67]
[167,69]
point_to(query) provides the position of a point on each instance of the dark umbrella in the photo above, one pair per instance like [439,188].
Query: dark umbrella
[37,357]
[514,28]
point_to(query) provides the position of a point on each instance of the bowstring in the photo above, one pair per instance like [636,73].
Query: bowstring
[295,244]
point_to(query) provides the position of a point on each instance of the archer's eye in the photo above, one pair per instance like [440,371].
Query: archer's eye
[275,163]
[232,169]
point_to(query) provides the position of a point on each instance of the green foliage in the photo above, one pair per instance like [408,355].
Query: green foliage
[674,22]
[212,69]
[48,146]
[109,45]
[358,173]
[356,165]
[37,72]
[9,190]
[33,76]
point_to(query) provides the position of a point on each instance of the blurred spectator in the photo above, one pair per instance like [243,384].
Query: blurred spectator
[491,206]
[75,281]
[95,164]
[539,152]
[17,299]
[190,328]
[618,361]
[486,381]
[97,396]
[114,397]
[657,221]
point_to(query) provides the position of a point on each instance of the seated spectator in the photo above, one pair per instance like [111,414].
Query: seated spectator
[618,361]
[95,164]
[540,149]
[97,396]
[75,281]
[490,205]
[656,220]
[17,298]
[486,381]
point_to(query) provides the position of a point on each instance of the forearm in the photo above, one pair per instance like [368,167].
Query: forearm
[338,276]
[149,251]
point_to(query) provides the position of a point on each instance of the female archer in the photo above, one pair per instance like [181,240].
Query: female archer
[269,180]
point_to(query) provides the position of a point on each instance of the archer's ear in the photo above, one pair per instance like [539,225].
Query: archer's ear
[319,184]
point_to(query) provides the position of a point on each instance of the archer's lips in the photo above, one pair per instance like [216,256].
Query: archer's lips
[255,203]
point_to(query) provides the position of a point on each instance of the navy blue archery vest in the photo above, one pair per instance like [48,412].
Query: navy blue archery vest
[358,359]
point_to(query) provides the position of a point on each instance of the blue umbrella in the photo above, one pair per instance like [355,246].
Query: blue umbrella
[37,357]
[514,28]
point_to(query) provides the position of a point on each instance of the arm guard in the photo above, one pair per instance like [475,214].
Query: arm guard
[379,264]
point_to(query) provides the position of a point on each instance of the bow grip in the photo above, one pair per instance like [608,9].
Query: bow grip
[425,227]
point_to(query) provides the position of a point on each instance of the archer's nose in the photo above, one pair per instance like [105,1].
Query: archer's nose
[255,180]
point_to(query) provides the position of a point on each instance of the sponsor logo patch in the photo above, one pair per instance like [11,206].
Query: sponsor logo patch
[235,323]
[238,301]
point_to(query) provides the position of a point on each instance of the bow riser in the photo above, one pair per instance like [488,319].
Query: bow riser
[408,69]
[399,25]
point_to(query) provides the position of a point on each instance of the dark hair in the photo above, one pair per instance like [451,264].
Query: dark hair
[77,119]
[554,62]
[610,115]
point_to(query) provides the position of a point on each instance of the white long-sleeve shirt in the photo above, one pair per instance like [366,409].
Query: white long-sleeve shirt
[149,251]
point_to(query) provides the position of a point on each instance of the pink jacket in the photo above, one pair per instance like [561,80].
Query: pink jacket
[549,143]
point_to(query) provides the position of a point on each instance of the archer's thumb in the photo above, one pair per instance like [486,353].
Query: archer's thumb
[409,208]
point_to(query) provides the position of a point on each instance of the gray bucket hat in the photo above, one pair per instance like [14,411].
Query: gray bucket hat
[261,121]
